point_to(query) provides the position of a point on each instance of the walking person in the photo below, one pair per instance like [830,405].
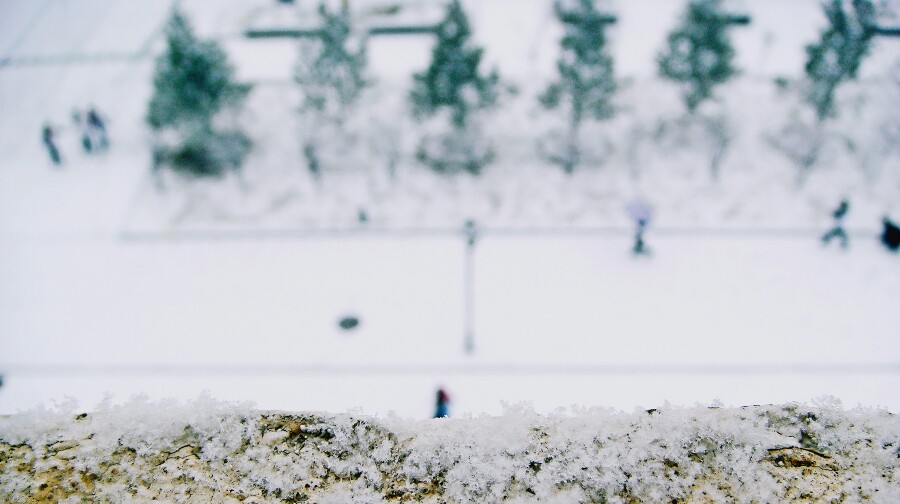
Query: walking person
[837,231]
[97,128]
[641,214]
[81,124]
[442,404]
[48,137]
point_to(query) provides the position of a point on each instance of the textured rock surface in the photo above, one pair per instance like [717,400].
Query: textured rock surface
[213,452]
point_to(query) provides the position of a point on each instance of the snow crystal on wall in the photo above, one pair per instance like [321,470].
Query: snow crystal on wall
[219,452]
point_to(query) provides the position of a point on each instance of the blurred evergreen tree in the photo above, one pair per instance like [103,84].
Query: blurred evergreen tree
[453,85]
[836,57]
[331,75]
[586,82]
[331,71]
[699,54]
[193,84]
[452,81]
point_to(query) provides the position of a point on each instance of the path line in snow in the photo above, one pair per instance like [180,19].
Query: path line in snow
[12,370]
[142,53]
[25,30]
[71,59]
[288,234]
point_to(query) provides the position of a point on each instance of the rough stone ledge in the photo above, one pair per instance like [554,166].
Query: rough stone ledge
[216,452]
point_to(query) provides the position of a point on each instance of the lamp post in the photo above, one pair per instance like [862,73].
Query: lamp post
[471,234]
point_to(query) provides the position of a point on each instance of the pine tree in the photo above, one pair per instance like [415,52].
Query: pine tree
[331,75]
[453,84]
[586,82]
[193,85]
[331,72]
[699,53]
[452,81]
[831,61]
[838,54]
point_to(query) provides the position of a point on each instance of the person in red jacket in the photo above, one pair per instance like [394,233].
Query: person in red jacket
[442,404]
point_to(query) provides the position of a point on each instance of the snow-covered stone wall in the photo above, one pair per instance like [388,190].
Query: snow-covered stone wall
[207,451]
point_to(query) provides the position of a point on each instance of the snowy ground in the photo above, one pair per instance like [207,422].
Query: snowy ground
[557,321]
[109,285]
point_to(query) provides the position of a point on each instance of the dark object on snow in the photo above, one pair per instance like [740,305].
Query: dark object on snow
[639,247]
[348,323]
[471,232]
[841,210]
[838,230]
[641,214]
[48,137]
[1,381]
[442,404]
[890,236]
[312,160]
[97,128]
[80,122]
[362,216]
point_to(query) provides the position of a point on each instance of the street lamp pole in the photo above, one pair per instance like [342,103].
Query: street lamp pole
[471,235]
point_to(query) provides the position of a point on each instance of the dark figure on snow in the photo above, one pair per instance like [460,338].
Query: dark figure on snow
[97,128]
[890,236]
[639,247]
[471,232]
[641,213]
[48,136]
[312,160]
[80,121]
[838,230]
[442,404]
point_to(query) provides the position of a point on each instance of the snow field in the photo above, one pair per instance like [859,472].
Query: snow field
[75,293]
[577,320]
